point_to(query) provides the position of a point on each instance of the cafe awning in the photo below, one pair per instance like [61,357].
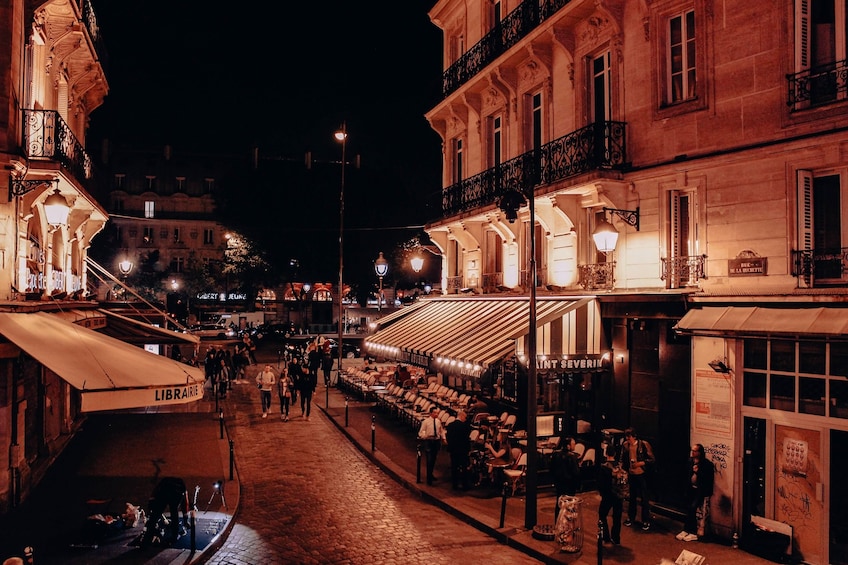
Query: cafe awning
[124,328]
[765,321]
[473,331]
[109,373]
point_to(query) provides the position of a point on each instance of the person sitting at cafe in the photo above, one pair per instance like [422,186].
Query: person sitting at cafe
[500,452]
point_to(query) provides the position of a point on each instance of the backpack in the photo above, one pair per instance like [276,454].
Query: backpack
[620,484]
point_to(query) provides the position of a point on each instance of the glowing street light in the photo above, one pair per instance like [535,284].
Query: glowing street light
[381,267]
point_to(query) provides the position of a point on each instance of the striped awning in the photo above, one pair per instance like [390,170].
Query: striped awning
[474,332]
[764,321]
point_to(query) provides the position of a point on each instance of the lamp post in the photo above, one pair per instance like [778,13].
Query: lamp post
[341,137]
[381,267]
[510,202]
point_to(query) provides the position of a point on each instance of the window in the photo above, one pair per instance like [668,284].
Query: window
[820,51]
[208,238]
[534,122]
[495,140]
[181,184]
[456,47]
[601,86]
[119,181]
[147,235]
[683,222]
[177,235]
[806,377]
[495,14]
[821,235]
[681,57]
[209,185]
[457,159]
[151,185]
[149,209]
[177,264]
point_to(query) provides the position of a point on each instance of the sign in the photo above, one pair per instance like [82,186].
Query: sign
[713,408]
[572,363]
[747,266]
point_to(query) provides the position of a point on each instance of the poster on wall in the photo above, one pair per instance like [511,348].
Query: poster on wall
[713,405]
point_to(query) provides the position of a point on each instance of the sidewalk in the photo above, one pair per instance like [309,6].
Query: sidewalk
[394,450]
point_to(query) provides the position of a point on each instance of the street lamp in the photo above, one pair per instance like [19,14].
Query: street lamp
[605,234]
[341,137]
[381,267]
[125,267]
[56,209]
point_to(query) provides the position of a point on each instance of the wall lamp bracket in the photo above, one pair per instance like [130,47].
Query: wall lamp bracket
[630,217]
[719,366]
[19,187]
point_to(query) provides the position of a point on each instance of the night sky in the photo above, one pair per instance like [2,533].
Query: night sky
[283,76]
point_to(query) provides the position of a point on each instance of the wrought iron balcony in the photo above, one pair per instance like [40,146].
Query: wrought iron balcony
[595,276]
[46,136]
[597,146]
[90,21]
[454,283]
[492,281]
[683,271]
[509,31]
[818,85]
[821,266]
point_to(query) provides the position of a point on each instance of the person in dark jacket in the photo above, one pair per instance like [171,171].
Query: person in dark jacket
[458,435]
[701,473]
[565,470]
[610,500]
[170,493]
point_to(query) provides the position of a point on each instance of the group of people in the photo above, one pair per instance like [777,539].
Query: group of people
[290,381]
[632,464]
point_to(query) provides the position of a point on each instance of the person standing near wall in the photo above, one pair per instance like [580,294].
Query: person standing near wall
[701,480]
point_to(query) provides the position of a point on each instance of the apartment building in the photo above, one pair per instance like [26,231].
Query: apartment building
[709,137]
[60,356]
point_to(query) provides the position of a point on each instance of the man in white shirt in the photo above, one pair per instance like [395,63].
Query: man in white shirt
[431,434]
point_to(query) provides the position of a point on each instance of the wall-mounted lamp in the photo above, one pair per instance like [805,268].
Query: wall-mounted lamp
[605,234]
[56,209]
[510,203]
[719,366]
[19,187]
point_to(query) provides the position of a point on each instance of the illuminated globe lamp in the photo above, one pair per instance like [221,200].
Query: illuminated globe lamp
[381,267]
[56,209]
[605,236]
[417,262]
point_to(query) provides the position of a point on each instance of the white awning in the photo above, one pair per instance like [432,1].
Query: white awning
[477,331]
[110,374]
[757,320]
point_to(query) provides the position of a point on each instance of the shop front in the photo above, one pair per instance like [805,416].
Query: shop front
[770,406]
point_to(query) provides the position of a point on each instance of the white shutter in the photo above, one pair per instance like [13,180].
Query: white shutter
[802,35]
[804,213]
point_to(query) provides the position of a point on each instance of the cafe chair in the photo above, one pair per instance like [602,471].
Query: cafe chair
[516,475]
[579,449]
[508,424]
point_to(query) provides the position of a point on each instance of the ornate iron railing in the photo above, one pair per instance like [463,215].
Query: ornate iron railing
[90,21]
[818,85]
[825,266]
[454,283]
[47,136]
[524,278]
[508,32]
[593,276]
[491,281]
[597,146]
[684,271]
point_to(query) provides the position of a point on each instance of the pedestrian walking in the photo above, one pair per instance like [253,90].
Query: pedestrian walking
[610,476]
[701,472]
[285,386]
[431,434]
[306,387]
[458,437]
[327,367]
[266,380]
[637,458]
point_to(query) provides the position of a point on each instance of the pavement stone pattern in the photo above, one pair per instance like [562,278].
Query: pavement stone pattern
[308,496]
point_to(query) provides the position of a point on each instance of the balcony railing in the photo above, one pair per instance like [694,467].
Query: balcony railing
[684,271]
[47,136]
[818,85]
[509,31]
[597,146]
[491,281]
[821,266]
[594,276]
[454,283]
[90,21]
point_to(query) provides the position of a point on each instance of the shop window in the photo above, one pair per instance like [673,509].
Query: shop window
[783,356]
[811,357]
[756,354]
[754,389]
[839,398]
[839,359]
[811,395]
[782,393]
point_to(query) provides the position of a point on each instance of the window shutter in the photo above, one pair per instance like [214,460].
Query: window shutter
[802,35]
[674,224]
[804,261]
